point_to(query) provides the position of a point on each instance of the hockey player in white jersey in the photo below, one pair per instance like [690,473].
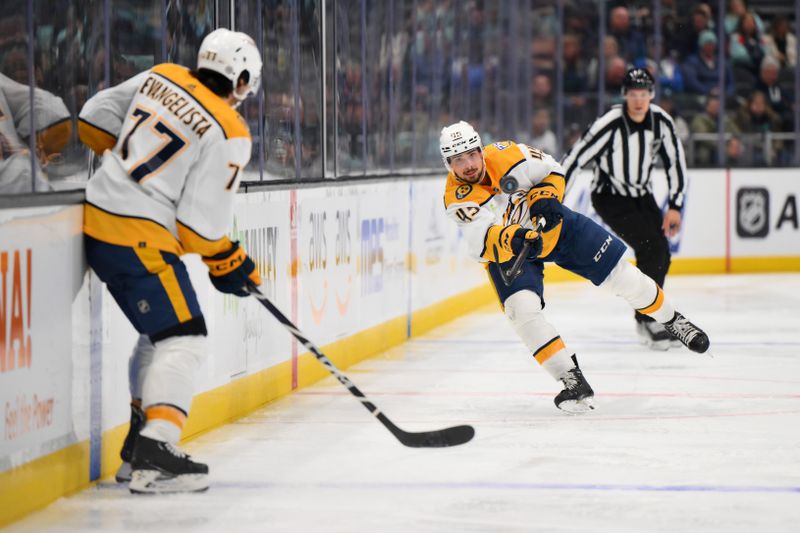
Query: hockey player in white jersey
[173,148]
[53,127]
[498,215]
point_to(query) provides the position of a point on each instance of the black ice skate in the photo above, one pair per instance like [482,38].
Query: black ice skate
[159,467]
[137,423]
[577,394]
[690,335]
[653,335]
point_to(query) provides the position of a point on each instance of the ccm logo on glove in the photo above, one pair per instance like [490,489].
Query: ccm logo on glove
[231,271]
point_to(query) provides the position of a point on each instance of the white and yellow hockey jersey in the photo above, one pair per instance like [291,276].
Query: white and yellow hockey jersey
[478,207]
[173,155]
[51,122]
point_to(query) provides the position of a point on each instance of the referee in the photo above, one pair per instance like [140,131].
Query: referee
[624,145]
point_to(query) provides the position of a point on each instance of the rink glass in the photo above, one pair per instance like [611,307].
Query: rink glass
[356,88]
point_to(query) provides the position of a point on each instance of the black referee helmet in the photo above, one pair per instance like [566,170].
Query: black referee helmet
[637,78]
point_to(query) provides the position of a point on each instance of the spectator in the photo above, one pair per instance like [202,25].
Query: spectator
[735,155]
[755,116]
[700,72]
[630,40]
[544,52]
[777,97]
[705,151]
[575,73]
[542,89]
[667,103]
[543,137]
[747,44]
[686,38]
[780,43]
[669,73]
[736,10]
[610,51]
[615,75]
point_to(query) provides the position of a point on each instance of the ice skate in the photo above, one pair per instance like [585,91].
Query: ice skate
[159,467]
[690,335]
[653,335]
[577,394]
[123,474]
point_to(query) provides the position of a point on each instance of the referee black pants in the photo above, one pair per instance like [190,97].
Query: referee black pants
[638,221]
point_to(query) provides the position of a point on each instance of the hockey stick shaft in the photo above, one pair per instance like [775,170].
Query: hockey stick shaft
[433,439]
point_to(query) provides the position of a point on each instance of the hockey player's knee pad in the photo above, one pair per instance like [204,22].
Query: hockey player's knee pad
[170,379]
[186,351]
[522,306]
[630,283]
[524,311]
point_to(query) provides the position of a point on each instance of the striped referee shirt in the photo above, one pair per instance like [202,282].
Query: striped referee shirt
[625,152]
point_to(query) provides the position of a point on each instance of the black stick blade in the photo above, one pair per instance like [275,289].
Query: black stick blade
[442,438]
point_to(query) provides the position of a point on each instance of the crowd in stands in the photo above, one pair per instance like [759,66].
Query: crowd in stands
[398,72]
[759,67]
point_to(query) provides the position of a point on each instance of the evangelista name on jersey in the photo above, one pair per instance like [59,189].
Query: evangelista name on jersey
[176,104]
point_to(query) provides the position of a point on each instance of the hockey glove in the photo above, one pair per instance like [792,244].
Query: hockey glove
[231,271]
[503,242]
[521,236]
[544,202]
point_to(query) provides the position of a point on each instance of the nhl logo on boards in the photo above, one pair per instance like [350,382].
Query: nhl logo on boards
[752,212]
[463,191]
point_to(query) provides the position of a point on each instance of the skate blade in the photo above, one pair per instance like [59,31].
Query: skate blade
[155,482]
[577,406]
[123,474]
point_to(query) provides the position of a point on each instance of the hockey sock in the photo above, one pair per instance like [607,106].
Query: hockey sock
[164,422]
[139,364]
[554,357]
[168,385]
[640,291]
[524,311]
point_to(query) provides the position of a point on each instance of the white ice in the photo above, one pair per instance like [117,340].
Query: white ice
[679,442]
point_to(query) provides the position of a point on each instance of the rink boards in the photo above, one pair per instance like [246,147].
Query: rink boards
[358,267]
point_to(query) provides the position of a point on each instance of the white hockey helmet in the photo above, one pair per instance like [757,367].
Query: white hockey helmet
[231,53]
[456,139]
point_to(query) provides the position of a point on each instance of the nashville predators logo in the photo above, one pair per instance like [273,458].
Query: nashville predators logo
[463,191]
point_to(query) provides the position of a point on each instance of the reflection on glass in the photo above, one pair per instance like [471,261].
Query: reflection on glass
[188,21]
[311,88]
[278,146]
[66,43]
[47,120]
[52,130]
[135,38]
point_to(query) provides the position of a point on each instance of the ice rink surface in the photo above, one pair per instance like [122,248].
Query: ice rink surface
[679,441]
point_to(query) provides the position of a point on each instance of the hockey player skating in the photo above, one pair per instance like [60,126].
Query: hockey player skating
[173,150]
[497,226]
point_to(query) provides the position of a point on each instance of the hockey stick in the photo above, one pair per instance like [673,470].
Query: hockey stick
[510,275]
[442,438]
